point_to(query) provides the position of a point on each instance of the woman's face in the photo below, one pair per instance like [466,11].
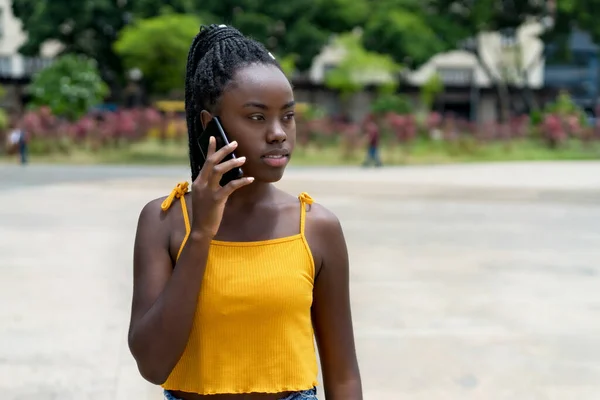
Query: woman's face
[257,111]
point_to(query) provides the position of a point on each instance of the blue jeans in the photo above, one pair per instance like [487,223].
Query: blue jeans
[373,156]
[310,394]
[23,151]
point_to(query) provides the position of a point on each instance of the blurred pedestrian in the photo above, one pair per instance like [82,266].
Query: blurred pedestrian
[17,140]
[373,136]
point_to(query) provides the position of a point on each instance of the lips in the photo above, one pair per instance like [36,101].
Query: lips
[276,153]
[276,158]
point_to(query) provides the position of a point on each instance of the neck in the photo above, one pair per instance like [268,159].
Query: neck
[250,194]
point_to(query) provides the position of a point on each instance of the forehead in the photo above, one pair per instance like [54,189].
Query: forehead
[264,83]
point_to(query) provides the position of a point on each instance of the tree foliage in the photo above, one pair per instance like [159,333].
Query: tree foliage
[360,67]
[411,31]
[158,47]
[569,14]
[489,15]
[430,89]
[558,17]
[70,86]
[403,34]
[90,27]
[87,27]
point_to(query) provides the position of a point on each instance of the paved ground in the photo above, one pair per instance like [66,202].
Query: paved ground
[468,282]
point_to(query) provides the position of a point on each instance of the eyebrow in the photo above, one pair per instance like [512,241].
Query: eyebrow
[265,107]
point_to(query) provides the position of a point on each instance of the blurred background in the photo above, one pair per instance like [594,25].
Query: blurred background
[474,248]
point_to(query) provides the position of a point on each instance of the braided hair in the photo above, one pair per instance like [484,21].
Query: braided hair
[216,54]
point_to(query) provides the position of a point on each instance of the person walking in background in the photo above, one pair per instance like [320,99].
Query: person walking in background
[372,131]
[17,140]
[233,283]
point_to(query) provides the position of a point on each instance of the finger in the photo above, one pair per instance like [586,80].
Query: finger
[234,185]
[223,151]
[221,169]
[207,167]
[216,158]
[212,146]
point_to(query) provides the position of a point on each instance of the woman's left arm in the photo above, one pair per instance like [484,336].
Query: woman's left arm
[332,318]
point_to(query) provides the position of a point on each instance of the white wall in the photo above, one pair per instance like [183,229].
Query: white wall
[12,35]
[331,55]
[528,48]
[490,45]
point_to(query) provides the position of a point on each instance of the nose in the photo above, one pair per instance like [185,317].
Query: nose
[276,133]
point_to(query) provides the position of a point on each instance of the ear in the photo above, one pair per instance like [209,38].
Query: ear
[205,118]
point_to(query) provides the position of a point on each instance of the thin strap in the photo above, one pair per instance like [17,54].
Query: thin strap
[304,200]
[179,192]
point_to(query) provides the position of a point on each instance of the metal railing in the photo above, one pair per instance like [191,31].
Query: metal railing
[31,65]
[20,67]
[456,76]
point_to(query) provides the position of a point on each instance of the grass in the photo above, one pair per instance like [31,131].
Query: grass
[153,152]
[516,150]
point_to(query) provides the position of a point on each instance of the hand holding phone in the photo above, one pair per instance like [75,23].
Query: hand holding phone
[215,129]
[208,195]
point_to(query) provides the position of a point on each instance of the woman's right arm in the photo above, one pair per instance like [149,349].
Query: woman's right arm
[164,298]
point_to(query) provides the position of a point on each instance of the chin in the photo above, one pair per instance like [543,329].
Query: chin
[270,176]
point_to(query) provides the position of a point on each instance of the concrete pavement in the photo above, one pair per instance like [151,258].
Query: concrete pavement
[468,282]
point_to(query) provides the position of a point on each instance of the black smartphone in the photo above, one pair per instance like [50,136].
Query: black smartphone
[215,128]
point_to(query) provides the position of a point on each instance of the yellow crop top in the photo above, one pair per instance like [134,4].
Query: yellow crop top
[252,332]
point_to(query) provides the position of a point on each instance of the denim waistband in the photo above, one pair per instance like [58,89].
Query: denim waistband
[310,394]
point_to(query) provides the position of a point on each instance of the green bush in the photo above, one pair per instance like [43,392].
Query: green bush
[396,103]
[70,86]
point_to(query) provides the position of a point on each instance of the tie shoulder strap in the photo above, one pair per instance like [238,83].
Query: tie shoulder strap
[305,200]
[179,193]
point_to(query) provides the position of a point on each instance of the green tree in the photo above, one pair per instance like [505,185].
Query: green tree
[288,64]
[405,32]
[158,47]
[489,15]
[505,17]
[152,8]
[87,27]
[70,86]
[360,67]
[406,29]
[569,14]
[299,28]
[432,88]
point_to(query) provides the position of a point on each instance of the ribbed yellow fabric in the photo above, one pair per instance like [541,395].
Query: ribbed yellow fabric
[252,332]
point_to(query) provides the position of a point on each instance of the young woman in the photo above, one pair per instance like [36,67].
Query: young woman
[231,283]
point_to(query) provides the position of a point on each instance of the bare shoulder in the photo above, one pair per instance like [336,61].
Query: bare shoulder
[152,216]
[317,215]
[323,220]
[152,212]
[324,235]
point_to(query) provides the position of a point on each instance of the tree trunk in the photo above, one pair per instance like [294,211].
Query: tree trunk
[502,92]
[527,93]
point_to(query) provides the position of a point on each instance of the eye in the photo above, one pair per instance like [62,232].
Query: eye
[289,116]
[257,117]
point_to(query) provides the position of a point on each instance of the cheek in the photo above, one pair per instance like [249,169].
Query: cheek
[246,134]
[234,129]
[290,130]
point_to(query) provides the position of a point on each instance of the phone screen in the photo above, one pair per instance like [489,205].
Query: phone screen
[215,129]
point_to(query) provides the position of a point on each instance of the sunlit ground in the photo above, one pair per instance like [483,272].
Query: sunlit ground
[468,282]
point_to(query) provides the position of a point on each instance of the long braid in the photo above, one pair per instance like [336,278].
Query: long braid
[216,54]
